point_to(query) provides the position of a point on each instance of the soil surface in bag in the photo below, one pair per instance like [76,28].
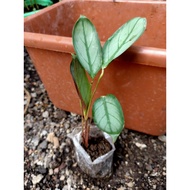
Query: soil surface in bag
[97,147]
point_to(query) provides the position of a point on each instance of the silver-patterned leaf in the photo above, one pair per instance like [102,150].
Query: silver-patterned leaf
[122,39]
[87,45]
[108,114]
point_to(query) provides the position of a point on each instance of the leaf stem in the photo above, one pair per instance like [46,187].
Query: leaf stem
[85,127]
[101,75]
[92,95]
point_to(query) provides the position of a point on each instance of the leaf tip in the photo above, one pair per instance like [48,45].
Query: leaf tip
[82,16]
[145,22]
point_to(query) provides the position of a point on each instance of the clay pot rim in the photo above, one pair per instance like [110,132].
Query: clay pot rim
[146,55]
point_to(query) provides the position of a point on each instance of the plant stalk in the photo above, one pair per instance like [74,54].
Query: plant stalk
[85,126]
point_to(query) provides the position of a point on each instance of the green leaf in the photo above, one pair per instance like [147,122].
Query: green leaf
[108,115]
[39,2]
[87,45]
[122,39]
[81,81]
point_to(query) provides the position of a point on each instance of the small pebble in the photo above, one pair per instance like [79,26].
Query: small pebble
[56,170]
[35,141]
[43,145]
[149,167]
[130,184]
[162,138]
[42,170]
[36,179]
[62,178]
[73,114]
[50,137]
[33,95]
[67,150]
[140,145]
[68,131]
[50,171]
[154,174]
[69,183]
[43,133]
[55,142]
[45,114]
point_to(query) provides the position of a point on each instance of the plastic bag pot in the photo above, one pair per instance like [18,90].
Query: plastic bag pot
[137,77]
[101,166]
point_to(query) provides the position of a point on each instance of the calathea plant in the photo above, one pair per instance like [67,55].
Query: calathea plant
[90,58]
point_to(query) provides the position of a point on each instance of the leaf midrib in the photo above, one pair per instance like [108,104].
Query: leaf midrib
[88,55]
[120,45]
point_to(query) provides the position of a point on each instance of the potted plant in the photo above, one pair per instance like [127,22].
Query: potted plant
[33,6]
[137,77]
[90,62]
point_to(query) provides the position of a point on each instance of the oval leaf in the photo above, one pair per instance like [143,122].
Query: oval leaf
[108,115]
[122,39]
[87,45]
[81,81]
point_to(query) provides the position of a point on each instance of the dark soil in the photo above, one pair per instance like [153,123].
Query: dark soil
[97,147]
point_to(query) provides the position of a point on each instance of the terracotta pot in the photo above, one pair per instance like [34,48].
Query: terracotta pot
[137,77]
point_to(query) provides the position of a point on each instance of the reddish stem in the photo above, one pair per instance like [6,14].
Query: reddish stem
[85,134]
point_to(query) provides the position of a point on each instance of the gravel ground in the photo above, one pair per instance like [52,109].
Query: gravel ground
[49,161]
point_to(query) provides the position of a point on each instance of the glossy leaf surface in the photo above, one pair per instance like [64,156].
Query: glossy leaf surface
[122,39]
[81,81]
[108,114]
[87,45]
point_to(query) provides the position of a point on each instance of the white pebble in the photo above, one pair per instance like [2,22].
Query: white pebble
[141,146]
[39,163]
[69,183]
[33,95]
[154,174]
[73,114]
[68,131]
[36,179]
[67,172]
[43,133]
[62,178]
[50,171]
[45,114]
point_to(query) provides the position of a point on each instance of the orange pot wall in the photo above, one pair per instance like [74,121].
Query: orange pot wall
[137,77]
